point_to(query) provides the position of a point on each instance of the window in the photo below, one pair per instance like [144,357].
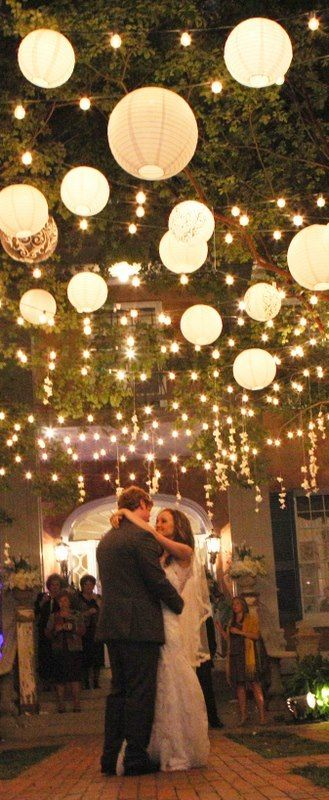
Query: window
[312,528]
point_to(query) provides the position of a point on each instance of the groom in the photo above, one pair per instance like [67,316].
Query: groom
[131,623]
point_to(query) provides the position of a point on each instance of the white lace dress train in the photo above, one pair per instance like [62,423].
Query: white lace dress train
[179,738]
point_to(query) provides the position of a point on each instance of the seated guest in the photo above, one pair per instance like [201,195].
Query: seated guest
[65,629]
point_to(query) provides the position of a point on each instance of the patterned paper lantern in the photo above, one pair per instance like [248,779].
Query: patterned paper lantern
[308,257]
[46,58]
[254,369]
[191,222]
[85,191]
[263,302]
[38,307]
[258,52]
[180,257]
[201,324]
[87,292]
[152,133]
[23,210]
[34,248]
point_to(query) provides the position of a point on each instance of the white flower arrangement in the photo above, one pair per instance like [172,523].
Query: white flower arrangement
[245,563]
[17,572]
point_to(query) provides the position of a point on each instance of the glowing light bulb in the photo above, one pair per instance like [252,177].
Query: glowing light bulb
[240,321]
[184,280]
[185,39]
[216,87]
[235,211]
[231,342]
[298,220]
[84,103]
[140,211]
[229,280]
[313,300]
[83,224]
[281,202]
[277,235]
[313,23]
[228,238]
[27,158]
[244,220]
[19,112]
[140,198]
[132,228]
[37,273]
[115,41]
[320,201]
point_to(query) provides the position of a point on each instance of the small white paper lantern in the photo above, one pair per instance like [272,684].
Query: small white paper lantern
[201,324]
[152,133]
[46,58]
[308,257]
[85,191]
[87,292]
[263,302]
[23,210]
[180,257]
[38,307]
[254,369]
[258,52]
[191,222]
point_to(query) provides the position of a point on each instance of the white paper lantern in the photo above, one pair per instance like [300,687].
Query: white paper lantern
[201,324]
[85,191]
[23,210]
[87,292]
[258,52]
[38,307]
[191,222]
[180,257]
[46,58]
[308,257]
[152,133]
[263,302]
[254,369]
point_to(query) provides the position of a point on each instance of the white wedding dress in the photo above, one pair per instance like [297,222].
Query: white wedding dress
[179,738]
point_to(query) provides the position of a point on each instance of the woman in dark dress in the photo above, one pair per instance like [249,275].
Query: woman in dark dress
[93,651]
[45,604]
[243,633]
[65,629]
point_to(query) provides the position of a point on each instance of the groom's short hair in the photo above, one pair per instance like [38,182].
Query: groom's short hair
[131,498]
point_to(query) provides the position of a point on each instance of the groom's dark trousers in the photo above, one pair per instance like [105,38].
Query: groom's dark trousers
[130,706]
[131,623]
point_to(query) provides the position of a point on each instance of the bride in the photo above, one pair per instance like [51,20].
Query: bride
[179,738]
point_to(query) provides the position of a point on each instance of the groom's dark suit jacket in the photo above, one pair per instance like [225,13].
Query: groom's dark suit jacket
[133,585]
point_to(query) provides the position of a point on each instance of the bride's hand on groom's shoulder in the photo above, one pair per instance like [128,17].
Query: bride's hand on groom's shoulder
[115,519]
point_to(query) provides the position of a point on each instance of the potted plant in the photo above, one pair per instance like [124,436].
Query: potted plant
[20,577]
[245,567]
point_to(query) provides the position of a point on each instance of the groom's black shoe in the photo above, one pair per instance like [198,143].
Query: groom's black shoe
[142,769]
[108,767]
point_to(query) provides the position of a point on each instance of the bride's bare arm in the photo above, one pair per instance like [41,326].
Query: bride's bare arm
[182,552]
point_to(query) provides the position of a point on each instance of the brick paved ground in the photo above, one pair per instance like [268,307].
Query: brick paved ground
[233,773]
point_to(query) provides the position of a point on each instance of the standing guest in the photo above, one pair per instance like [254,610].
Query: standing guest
[242,633]
[45,604]
[92,651]
[131,622]
[65,629]
[204,673]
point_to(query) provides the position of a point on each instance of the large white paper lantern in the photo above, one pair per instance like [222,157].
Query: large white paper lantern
[201,324]
[32,249]
[191,222]
[308,257]
[87,292]
[85,191]
[254,369]
[263,301]
[23,210]
[46,58]
[180,257]
[258,52]
[38,307]
[152,133]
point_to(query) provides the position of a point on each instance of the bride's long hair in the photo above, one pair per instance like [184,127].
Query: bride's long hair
[182,529]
